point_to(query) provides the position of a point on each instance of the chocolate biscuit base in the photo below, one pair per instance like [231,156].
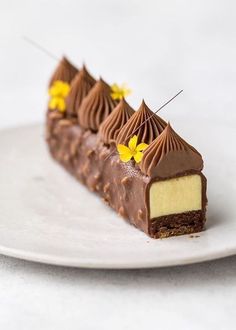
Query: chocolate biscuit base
[121,185]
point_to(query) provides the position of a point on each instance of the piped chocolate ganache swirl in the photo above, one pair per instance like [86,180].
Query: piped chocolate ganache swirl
[80,86]
[96,106]
[112,125]
[65,71]
[169,155]
[138,124]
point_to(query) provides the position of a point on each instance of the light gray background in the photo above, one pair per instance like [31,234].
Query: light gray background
[157,47]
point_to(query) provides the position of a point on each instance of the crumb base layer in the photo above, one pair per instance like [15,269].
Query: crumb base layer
[177,224]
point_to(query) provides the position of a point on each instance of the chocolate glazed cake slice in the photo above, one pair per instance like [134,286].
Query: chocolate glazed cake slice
[176,193]
[153,178]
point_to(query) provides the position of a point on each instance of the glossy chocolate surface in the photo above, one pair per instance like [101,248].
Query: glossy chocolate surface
[121,185]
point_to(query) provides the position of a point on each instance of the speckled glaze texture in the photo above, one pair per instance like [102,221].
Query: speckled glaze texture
[85,157]
[121,185]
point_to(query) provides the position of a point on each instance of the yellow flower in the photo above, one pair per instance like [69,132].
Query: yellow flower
[58,92]
[132,151]
[58,103]
[119,92]
[59,88]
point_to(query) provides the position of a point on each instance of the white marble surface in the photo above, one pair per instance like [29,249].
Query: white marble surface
[158,47]
[34,296]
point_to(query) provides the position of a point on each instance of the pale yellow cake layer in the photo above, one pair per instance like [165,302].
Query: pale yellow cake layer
[176,195]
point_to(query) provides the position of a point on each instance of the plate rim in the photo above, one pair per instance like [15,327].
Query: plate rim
[76,263]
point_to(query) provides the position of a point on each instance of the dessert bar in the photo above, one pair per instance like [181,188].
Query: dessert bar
[133,160]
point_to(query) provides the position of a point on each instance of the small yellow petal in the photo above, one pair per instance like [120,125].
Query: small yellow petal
[122,149]
[115,96]
[114,88]
[141,146]
[59,88]
[61,105]
[52,103]
[125,157]
[126,91]
[53,91]
[119,92]
[138,156]
[133,143]
[57,103]
[59,84]
[124,153]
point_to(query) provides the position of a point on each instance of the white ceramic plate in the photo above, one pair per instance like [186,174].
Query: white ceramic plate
[47,216]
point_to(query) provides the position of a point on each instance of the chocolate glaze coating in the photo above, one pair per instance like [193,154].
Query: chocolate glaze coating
[121,185]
